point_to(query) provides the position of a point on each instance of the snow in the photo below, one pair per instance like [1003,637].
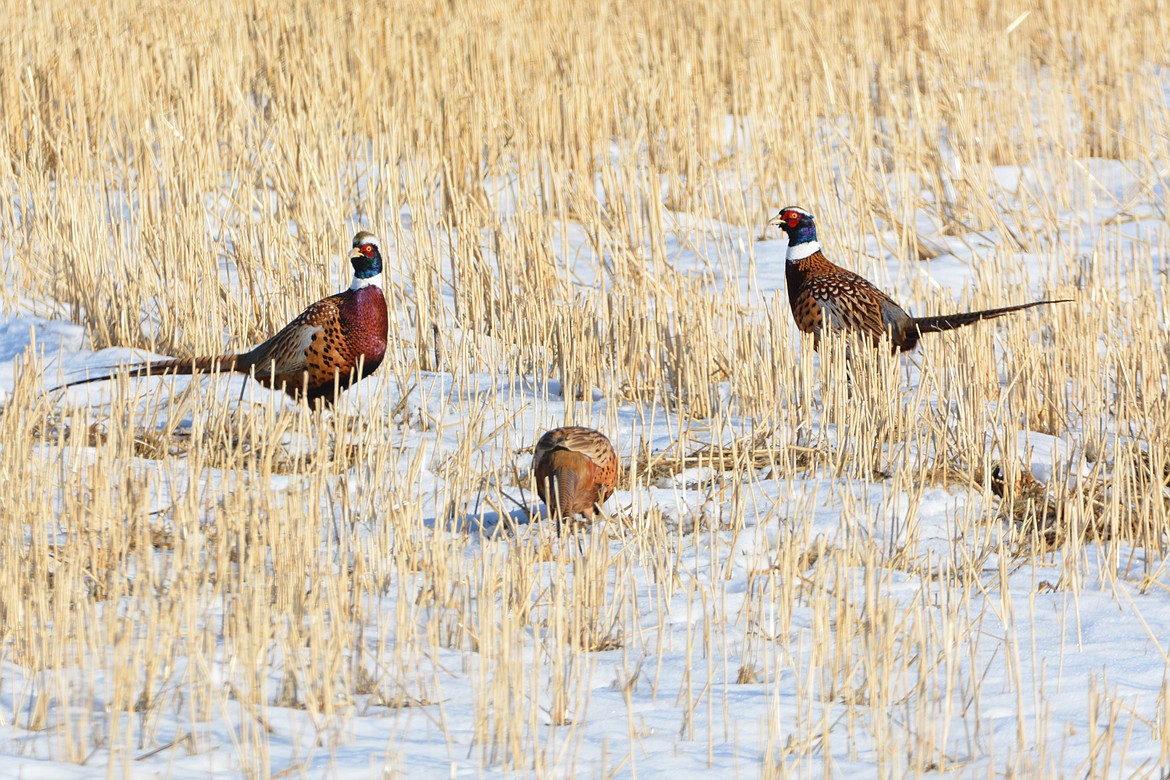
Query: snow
[1062,645]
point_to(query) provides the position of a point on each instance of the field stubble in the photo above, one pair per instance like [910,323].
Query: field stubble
[188,173]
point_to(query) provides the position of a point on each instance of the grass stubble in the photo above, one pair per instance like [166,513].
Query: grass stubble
[167,562]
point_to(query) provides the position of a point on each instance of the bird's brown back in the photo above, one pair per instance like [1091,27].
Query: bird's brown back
[575,469]
[823,295]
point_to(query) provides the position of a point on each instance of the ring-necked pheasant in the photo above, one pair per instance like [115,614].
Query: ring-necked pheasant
[334,343]
[576,471]
[823,294]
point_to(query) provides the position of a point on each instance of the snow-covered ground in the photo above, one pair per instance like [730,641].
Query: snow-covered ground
[810,624]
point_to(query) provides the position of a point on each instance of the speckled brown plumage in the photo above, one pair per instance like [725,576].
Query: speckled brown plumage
[823,294]
[576,471]
[334,343]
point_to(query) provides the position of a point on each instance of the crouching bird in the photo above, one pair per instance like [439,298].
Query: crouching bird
[576,471]
[333,344]
[825,295]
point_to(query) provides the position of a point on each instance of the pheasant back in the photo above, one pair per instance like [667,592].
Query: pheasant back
[575,470]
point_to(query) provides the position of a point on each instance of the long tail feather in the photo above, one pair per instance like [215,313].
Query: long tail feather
[177,367]
[941,322]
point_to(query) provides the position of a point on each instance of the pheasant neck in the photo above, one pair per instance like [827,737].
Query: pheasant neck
[372,281]
[802,250]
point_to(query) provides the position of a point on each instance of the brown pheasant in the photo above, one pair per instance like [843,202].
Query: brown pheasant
[334,343]
[823,294]
[576,471]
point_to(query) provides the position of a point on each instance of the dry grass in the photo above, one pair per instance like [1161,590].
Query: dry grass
[195,559]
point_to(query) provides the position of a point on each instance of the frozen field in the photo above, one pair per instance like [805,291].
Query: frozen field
[952,565]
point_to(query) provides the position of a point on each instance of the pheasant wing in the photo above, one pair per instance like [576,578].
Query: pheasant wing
[848,302]
[285,357]
[590,443]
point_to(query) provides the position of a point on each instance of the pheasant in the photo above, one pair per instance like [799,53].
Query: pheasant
[823,294]
[576,471]
[334,343]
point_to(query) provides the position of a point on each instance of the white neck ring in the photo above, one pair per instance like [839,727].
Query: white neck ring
[801,251]
[373,281]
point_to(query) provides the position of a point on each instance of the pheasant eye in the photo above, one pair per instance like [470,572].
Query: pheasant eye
[368,250]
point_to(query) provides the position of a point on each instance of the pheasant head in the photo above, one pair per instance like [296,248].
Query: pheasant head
[801,231]
[366,259]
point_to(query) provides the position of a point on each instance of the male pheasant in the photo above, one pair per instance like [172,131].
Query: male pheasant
[823,294]
[576,471]
[334,343]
